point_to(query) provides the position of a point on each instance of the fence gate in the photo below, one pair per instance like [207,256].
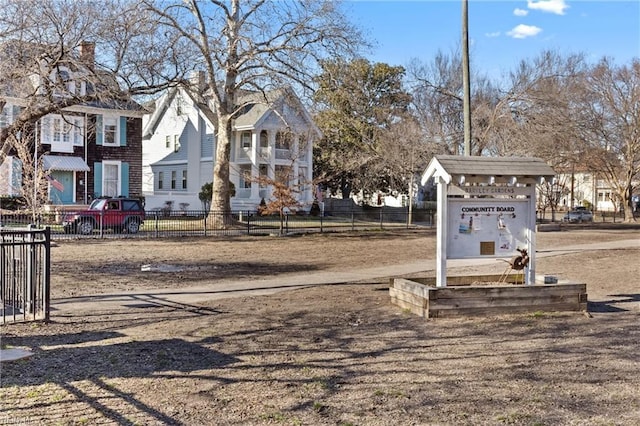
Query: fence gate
[25,260]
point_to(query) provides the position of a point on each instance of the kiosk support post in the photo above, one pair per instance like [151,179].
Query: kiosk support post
[530,272]
[441,234]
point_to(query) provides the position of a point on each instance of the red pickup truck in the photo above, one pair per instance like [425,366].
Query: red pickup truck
[119,213]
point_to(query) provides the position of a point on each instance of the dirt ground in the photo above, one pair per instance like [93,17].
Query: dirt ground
[324,355]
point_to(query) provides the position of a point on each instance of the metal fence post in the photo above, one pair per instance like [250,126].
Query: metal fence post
[205,222]
[30,290]
[47,273]
[155,222]
[408,218]
[381,226]
[248,223]
[353,221]
[101,223]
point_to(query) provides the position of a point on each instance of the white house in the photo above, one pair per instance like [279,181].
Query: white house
[273,133]
[589,190]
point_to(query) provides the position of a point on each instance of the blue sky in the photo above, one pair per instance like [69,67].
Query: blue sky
[501,32]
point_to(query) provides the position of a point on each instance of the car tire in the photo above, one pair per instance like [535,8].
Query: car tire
[85,227]
[132,226]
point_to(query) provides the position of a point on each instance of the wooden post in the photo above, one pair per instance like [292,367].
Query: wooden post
[441,234]
[530,272]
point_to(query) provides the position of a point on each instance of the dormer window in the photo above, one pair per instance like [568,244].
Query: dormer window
[65,79]
[67,84]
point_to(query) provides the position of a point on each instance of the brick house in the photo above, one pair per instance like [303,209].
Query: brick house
[90,149]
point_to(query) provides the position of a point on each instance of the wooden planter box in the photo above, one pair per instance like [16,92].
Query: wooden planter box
[461,298]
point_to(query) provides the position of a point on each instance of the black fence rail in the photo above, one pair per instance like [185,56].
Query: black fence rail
[25,259]
[166,224]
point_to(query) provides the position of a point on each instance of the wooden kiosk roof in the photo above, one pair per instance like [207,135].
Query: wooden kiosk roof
[451,167]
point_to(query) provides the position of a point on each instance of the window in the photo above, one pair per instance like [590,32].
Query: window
[5,116]
[66,81]
[63,133]
[110,129]
[284,142]
[56,130]
[604,196]
[264,175]
[245,176]
[131,205]
[281,141]
[173,179]
[264,139]
[167,141]
[77,124]
[283,174]
[160,180]
[110,179]
[245,140]
[302,178]
[184,179]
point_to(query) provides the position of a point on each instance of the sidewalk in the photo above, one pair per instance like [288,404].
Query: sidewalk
[192,296]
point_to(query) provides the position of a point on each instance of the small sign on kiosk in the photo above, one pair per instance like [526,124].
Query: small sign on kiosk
[486,207]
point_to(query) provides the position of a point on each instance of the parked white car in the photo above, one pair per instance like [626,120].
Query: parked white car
[578,215]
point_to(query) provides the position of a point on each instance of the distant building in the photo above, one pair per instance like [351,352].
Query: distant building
[274,133]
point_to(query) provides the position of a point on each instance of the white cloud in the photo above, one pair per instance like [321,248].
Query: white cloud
[552,6]
[494,34]
[520,12]
[524,31]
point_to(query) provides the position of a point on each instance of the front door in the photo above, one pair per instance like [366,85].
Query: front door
[64,195]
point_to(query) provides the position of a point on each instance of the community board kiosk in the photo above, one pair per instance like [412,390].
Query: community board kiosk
[486,208]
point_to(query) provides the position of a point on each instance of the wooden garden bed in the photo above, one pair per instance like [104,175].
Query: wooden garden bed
[483,295]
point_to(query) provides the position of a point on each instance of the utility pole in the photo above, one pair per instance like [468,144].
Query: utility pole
[466,102]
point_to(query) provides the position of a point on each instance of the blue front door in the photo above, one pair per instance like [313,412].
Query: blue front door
[66,195]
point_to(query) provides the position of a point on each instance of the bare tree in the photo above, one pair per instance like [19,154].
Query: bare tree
[405,153]
[609,116]
[527,116]
[66,53]
[438,100]
[551,192]
[254,45]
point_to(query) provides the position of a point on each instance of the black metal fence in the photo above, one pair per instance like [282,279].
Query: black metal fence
[25,260]
[162,224]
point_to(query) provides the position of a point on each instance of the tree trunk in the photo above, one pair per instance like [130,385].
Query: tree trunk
[220,199]
[628,205]
[345,187]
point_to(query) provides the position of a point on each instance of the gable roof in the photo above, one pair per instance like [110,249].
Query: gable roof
[502,169]
[282,101]
[257,107]
[17,82]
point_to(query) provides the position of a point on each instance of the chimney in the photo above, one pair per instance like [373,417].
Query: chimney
[88,53]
